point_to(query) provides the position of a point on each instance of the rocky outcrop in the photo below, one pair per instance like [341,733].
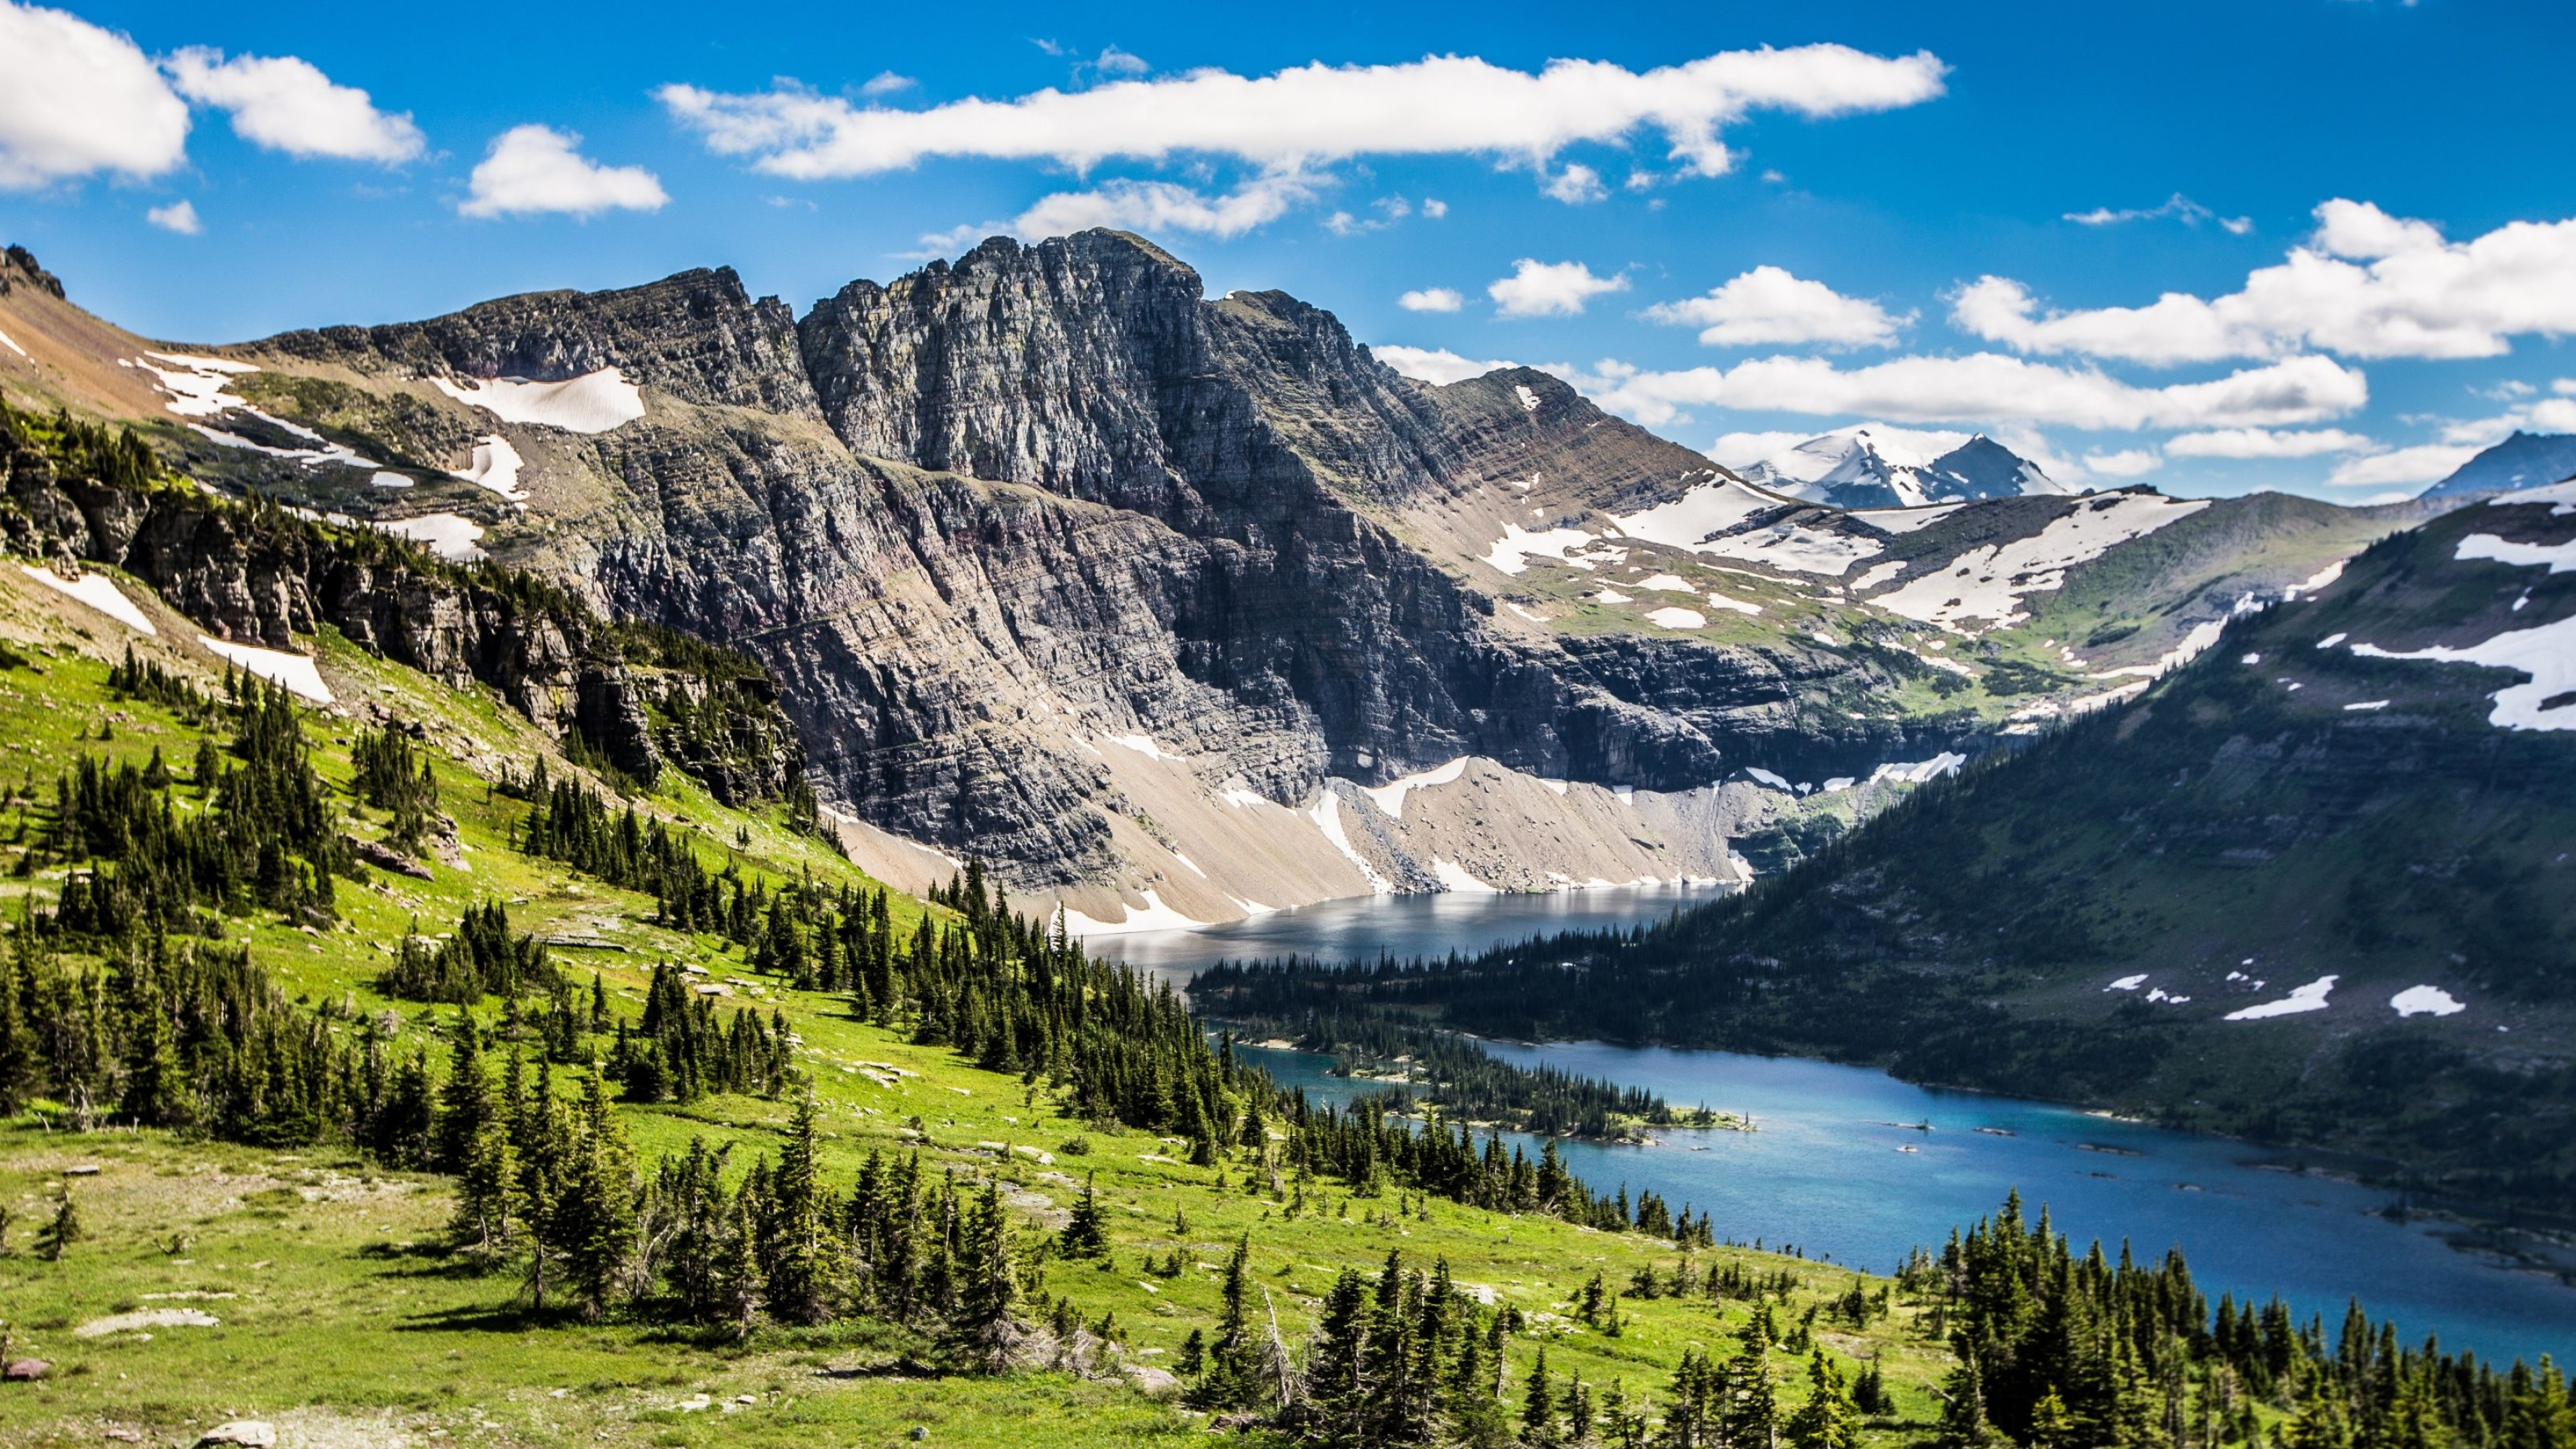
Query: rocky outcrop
[257,574]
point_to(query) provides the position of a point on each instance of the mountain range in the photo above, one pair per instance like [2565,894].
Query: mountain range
[1876,466]
[2523,460]
[1175,609]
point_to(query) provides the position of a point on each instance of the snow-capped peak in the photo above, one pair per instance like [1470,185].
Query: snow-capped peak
[1876,466]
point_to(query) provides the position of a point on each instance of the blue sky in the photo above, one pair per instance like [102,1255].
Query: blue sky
[2362,207]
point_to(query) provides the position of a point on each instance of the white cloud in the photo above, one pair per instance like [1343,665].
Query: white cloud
[1549,289]
[1113,61]
[285,104]
[2553,414]
[1576,185]
[1144,206]
[178,216]
[2366,284]
[2267,443]
[2124,464]
[1434,208]
[1768,304]
[1438,364]
[886,83]
[1740,450]
[76,99]
[1431,299]
[2178,206]
[2427,463]
[1441,105]
[1986,389]
[533,169]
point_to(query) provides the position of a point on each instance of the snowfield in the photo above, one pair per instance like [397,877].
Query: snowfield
[496,467]
[2426,1001]
[1390,796]
[2546,653]
[594,402]
[96,590]
[1984,587]
[2311,997]
[452,536]
[1672,618]
[2561,557]
[296,671]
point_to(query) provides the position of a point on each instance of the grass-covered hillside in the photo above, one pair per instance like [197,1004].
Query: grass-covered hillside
[376,1071]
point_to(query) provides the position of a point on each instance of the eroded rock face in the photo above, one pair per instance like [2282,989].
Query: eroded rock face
[981,520]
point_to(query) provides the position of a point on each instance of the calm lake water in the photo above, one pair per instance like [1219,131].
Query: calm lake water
[1825,1171]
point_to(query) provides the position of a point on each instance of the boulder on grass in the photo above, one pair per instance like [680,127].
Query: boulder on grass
[241,1434]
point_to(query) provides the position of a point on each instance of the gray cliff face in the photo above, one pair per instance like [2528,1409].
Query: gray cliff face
[979,519]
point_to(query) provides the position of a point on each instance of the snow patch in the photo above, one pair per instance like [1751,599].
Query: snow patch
[2426,1001]
[1717,600]
[1920,772]
[1512,552]
[1677,618]
[1529,399]
[2331,640]
[496,467]
[591,403]
[12,344]
[1390,796]
[1665,584]
[1612,596]
[1153,916]
[2314,582]
[2366,706]
[2128,983]
[2311,997]
[1766,777]
[97,591]
[1984,587]
[1454,878]
[451,536]
[2546,653]
[1876,574]
[1327,816]
[2561,557]
[1141,744]
[295,671]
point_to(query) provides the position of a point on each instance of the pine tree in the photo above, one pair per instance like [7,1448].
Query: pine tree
[985,1333]
[803,1267]
[1230,1381]
[1333,1382]
[1750,1413]
[466,1102]
[593,1221]
[1827,1420]
[738,1290]
[1085,1234]
[487,1194]
[1538,1406]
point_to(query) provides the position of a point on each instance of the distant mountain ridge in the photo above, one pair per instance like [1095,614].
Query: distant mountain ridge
[1876,466]
[2524,460]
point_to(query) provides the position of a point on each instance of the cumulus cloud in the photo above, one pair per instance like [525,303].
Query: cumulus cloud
[1768,304]
[886,83]
[2365,284]
[2426,463]
[285,104]
[1987,388]
[2271,443]
[1440,105]
[1576,185]
[1434,208]
[178,216]
[1437,364]
[1549,289]
[76,100]
[2125,464]
[2178,206]
[1431,299]
[536,169]
[1142,206]
[1742,450]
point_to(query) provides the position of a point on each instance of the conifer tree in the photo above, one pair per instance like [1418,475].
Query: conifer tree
[593,1217]
[487,1193]
[1538,1406]
[1085,1235]
[803,1266]
[1827,1420]
[985,1332]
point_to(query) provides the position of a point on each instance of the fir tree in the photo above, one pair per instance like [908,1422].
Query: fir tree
[985,1333]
